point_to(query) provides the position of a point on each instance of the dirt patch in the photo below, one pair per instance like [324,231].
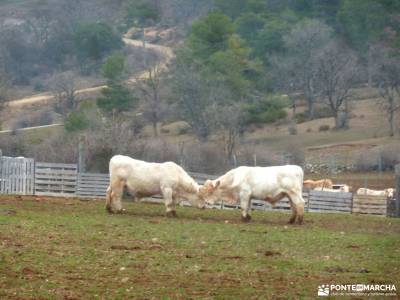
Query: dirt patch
[336,270]
[233,257]
[122,247]
[271,253]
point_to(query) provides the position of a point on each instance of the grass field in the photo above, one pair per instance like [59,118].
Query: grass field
[70,249]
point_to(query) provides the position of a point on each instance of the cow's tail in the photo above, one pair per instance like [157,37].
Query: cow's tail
[301,175]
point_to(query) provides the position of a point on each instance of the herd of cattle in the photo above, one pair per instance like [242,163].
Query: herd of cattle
[327,185]
[240,185]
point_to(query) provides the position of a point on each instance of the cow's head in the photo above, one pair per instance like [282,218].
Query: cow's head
[208,192]
[195,199]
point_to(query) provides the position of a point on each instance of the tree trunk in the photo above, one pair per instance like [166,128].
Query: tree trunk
[155,129]
[391,114]
[337,120]
[369,66]
[310,108]
[346,114]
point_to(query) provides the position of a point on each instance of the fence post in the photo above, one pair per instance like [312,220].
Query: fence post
[181,147]
[397,204]
[81,155]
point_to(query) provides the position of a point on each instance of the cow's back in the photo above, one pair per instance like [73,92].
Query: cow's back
[268,180]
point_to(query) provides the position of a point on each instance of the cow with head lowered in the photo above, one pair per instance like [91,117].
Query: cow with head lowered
[144,179]
[271,184]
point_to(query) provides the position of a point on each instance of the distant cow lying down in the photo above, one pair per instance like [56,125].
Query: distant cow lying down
[389,193]
[143,179]
[312,184]
[264,183]
[342,189]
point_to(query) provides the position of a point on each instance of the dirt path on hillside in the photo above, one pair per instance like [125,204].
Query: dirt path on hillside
[166,53]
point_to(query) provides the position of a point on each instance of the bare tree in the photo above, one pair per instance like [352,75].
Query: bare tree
[337,69]
[192,97]
[389,84]
[228,120]
[303,43]
[65,92]
[150,87]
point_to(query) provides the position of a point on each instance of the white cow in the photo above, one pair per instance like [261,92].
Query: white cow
[264,183]
[342,189]
[386,192]
[144,179]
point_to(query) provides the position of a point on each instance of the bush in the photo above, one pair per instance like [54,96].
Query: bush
[164,130]
[75,121]
[294,154]
[323,128]
[322,112]
[319,113]
[267,110]
[94,40]
[390,156]
[292,129]
[300,117]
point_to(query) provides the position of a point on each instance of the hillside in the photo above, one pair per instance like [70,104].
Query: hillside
[212,89]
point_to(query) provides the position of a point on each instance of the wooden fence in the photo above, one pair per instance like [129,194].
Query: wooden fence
[55,179]
[16,175]
[322,201]
[365,204]
[22,176]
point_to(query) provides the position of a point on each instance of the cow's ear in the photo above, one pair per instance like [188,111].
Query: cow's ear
[217,184]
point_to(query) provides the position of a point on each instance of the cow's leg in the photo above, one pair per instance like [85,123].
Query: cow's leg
[108,200]
[245,205]
[297,204]
[169,202]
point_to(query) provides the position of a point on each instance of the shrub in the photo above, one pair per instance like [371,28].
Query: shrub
[323,128]
[319,113]
[390,156]
[75,121]
[267,110]
[94,40]
[300,117]
[292,129]
[183,130]
[164,130]
[294,154]
[322,112]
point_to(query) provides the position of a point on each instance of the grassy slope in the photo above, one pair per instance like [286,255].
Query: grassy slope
[70,249]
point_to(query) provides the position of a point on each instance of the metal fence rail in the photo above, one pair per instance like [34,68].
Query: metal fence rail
[16,175]
[92,185]
[22,176]
[53,179]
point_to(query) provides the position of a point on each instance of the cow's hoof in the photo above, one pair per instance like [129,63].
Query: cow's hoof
[121,211]
[300,220]
[171,214]
[109,210]
[246,219]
